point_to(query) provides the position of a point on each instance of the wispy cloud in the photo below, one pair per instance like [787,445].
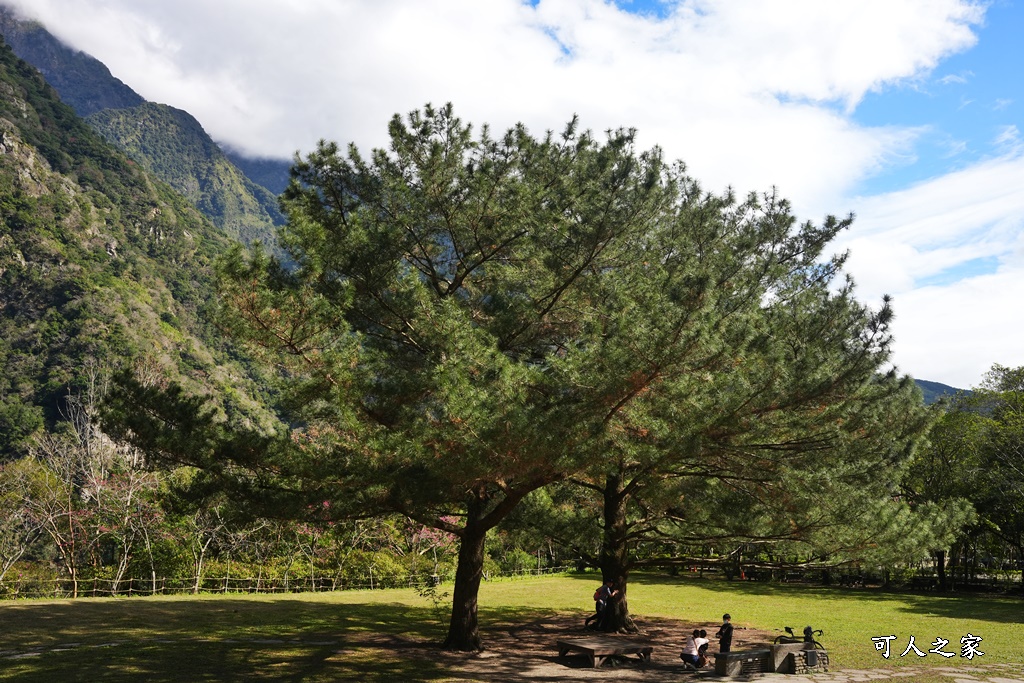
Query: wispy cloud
[954,148]
[957,79]
[951,252]
[1008,139]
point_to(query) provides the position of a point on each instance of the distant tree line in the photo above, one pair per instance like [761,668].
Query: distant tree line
[83,515]
[975,453]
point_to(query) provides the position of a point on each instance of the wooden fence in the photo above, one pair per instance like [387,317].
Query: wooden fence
[14,588]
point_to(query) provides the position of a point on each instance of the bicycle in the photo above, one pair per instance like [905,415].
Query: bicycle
[809,634]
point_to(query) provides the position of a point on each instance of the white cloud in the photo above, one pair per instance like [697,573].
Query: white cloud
[750,93]
[949,333]
[954,334]
[958,79]
[1008,138]
[953,148]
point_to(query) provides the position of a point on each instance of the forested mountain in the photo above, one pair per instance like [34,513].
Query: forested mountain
[166,141]
[101,266]
[172,145]
[272,174]
[935,391]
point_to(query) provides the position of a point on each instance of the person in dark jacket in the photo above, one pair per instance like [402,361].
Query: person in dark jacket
[601,598]
[724,634]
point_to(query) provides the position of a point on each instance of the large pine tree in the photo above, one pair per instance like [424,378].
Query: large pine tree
[471,318]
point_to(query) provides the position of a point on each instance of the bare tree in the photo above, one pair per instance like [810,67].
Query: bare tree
[54,482]
[86,491]
[18,529]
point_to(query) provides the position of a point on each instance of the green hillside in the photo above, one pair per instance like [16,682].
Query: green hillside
[172,145]
[100,265]
[935,391]
[168,142]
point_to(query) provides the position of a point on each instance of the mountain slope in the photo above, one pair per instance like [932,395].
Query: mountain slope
[172,145]
[100,267]
[166,141]
[83,82]
[935,391]
[273,174]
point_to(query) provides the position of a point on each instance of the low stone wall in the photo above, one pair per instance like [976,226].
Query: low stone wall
[789,658]
[743,663]
[809,661]
[781,660]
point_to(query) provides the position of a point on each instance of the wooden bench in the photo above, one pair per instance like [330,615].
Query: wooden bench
[599,648]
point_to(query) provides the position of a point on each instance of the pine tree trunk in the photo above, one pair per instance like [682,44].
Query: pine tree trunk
[1020,561]
[463,630]
[615,558]
[940,566]
[952,566]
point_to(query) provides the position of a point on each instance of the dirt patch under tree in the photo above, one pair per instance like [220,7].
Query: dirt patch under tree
[528,652]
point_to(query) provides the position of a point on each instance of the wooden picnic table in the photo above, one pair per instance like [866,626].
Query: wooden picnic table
[599,648]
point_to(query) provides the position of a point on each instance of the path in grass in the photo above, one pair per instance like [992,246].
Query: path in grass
[976,673]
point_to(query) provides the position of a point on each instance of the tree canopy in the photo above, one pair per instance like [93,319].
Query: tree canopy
[975,457]
[469,318]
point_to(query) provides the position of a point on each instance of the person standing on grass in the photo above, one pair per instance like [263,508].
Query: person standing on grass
[724,634]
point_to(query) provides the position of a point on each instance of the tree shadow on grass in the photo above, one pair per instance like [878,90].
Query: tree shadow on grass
[286,639]
[276,640]
[218,640]
[44,623]
[223,661]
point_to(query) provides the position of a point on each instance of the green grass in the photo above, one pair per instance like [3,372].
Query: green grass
[388,635]
[849,617]
[309,637]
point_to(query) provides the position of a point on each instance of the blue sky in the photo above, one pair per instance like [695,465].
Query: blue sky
[906,113]
[968,105]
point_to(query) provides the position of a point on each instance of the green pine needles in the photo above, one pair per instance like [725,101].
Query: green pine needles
[470,318]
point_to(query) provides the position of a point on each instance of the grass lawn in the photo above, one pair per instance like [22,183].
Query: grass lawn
[849,617]
[339,636]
